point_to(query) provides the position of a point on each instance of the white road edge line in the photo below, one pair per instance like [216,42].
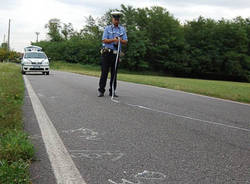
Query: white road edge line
[62,164]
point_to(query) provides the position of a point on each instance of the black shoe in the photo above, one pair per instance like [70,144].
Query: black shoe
[100,94]
[110,94]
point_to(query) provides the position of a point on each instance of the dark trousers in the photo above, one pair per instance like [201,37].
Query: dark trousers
[108,62]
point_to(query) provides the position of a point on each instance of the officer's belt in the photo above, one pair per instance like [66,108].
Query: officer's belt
[107,50]
[110,51]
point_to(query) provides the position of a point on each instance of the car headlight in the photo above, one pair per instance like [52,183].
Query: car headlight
[26,62]
[45,62]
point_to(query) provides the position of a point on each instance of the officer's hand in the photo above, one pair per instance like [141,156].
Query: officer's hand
[115,40]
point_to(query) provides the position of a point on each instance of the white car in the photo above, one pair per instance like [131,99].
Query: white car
[35,61]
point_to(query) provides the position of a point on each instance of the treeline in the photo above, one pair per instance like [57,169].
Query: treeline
[202,48]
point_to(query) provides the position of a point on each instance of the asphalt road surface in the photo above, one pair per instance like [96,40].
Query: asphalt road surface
[150,136]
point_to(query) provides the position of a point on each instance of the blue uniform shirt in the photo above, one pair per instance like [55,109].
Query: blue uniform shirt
[111,32]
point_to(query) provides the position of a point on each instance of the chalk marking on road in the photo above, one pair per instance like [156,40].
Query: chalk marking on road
[63,166]
[40,95]
[150,175]
[97,154]
[43,96]
[85,133]
[120,155]
[142,177]
[124,181]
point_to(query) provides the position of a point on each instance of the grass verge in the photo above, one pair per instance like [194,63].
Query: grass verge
[236,91]
[16,151]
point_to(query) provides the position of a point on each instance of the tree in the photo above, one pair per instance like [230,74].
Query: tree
[165,49]
[67,31]
[91,30]
[54,27]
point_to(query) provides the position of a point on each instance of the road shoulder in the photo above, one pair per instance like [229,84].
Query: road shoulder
[40,169]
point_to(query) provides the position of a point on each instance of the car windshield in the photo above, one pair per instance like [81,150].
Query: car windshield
[38,55]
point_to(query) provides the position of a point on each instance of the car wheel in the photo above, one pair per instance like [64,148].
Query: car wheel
[47,73]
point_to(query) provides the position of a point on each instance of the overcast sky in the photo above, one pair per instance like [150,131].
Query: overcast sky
[30,16]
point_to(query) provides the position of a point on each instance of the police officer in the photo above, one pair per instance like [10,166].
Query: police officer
[111,36]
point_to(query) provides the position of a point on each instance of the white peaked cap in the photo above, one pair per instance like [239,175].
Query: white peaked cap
[116,13]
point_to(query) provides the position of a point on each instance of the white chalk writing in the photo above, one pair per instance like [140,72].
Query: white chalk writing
[150,175]
[97,154]
[84,133]
[144,177]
